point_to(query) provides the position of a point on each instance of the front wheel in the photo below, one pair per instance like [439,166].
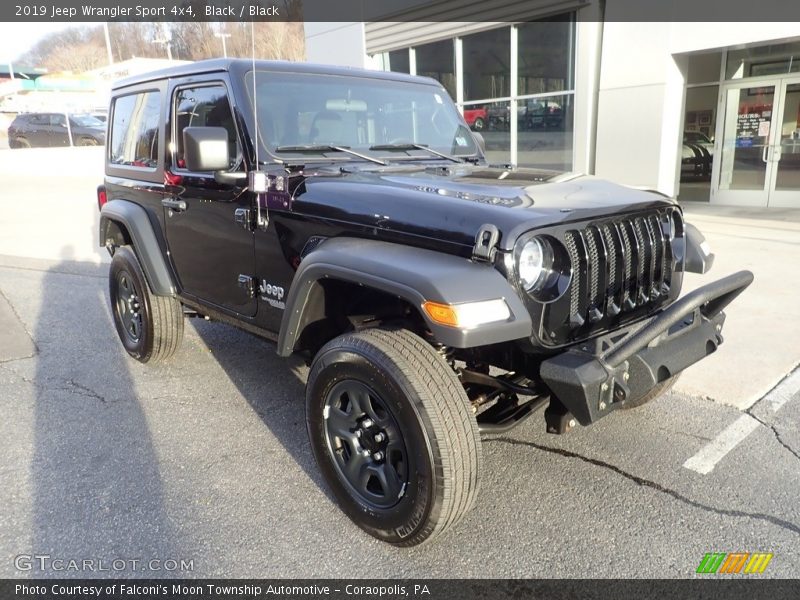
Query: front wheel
[658,390]
[392,433]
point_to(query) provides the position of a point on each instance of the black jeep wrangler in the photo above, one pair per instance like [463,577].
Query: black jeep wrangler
[351,217]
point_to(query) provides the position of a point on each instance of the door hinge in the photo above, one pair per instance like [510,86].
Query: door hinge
[243,217]
[485,246]
[248,284]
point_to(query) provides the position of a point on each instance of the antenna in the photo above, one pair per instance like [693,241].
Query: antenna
[257,179]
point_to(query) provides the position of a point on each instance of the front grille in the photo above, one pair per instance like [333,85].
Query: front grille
[618,267]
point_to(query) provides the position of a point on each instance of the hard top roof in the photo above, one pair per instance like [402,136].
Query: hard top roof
[241,65]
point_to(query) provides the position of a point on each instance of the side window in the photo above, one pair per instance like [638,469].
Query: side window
[58,120]
[134,130]
[205,106]
[39,120]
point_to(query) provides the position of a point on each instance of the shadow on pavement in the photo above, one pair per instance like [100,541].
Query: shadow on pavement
[96,488]
[274,387]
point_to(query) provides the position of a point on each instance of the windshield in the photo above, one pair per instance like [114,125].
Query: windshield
[298,109]
[87,121]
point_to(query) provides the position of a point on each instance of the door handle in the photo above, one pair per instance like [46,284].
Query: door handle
[764,153]
[174,204]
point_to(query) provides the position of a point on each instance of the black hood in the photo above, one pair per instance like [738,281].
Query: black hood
[452,203]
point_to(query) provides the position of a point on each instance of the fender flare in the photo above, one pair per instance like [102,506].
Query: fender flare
[699,258]
[145,244]
[414,274]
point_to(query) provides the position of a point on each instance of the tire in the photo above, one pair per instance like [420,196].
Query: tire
[22,142]
[150,327]
[87,142]
[479,124]
[431,445]
[659,390]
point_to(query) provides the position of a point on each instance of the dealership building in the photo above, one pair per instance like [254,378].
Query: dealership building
[701,110]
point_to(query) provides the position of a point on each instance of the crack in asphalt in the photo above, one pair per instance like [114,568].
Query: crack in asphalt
[82,390]
[73,387]
[775,432]
[641,481]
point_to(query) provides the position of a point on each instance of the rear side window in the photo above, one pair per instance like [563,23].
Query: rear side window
[134,130]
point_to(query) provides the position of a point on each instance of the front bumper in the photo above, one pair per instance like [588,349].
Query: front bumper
[593,379]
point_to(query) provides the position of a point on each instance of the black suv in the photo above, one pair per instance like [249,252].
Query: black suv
[56,129]
[351,217]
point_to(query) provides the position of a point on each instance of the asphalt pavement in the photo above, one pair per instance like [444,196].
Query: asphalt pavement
[205,459]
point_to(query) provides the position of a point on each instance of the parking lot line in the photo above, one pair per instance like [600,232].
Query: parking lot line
[709,455]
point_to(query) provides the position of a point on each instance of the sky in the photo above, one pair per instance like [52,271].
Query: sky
[16,38]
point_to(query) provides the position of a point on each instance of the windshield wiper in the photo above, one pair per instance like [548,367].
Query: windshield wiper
[410,146]
[328,148]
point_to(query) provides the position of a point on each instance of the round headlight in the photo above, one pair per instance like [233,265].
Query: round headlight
[534,264]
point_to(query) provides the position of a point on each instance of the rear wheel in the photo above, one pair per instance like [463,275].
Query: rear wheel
[22,142]
[659,390]
[391,430]
[150,327]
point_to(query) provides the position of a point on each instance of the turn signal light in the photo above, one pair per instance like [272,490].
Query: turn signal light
[468,314]
[441,313]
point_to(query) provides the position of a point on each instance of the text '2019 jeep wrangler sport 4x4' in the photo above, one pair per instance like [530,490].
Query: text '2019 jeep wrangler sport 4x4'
[351,216]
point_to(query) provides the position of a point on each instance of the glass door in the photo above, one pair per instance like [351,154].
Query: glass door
[759,158]
[742,170]
[784,154]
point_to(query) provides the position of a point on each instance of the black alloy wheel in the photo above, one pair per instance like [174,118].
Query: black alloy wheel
[393,434]
[367,443]
[129,306]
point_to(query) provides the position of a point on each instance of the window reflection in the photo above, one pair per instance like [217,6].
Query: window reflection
[487,64]
[545,56]
[438,60]
[492,121]
[544,137]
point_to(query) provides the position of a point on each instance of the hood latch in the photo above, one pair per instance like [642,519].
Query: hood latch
[485,246]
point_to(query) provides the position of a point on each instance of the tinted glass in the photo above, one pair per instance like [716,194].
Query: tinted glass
[398,61]
[761,61]
[487,64]
[545,56]
[493,121]
[357,112]
[438,60]
[134,131]
[704,67]
[87,121]
[544,137]
[203,107]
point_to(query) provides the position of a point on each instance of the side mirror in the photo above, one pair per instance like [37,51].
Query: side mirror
[206,148]
[480,141]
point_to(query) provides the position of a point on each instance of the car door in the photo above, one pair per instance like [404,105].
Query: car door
[36,128]
[57,132]
[211,244]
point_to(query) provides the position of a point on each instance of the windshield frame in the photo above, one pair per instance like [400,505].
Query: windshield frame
[266,149]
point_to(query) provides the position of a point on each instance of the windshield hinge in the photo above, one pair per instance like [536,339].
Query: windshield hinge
[485,246]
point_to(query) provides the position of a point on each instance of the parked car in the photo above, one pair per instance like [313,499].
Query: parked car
[476,118]
[41,129]
[697,155]
[351,217]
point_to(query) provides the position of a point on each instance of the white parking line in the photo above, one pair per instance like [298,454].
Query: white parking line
[709,455]
[713,452]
